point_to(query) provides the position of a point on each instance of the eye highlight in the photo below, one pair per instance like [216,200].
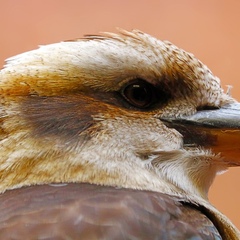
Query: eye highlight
[139,93]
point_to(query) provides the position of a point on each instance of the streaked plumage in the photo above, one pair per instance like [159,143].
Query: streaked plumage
[101,110]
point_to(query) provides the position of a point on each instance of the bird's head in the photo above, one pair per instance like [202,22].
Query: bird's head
[123,110]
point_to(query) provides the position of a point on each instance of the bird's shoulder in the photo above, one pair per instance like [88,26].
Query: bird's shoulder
[99,212]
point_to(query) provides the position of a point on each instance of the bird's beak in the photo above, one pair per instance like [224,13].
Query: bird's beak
[218,130]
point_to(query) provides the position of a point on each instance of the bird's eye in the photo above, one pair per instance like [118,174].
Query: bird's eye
[139,93]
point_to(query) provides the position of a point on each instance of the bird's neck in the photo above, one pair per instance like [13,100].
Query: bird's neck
[192,171]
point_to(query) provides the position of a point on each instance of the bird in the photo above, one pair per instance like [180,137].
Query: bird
[113,136]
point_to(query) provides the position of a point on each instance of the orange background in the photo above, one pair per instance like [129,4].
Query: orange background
[208,28]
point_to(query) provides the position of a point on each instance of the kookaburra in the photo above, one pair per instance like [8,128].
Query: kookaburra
[113,136]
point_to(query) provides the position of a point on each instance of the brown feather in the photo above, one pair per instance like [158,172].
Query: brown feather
[84,211]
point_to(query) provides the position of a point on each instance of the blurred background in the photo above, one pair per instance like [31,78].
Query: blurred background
[207,28]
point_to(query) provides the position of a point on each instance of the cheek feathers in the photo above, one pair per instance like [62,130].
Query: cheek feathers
[60,116]
[66,117]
